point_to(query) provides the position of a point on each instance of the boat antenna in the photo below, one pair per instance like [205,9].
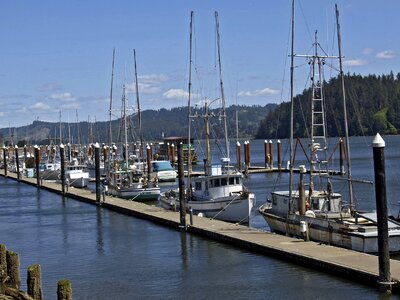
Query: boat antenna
[124,99]
[291,112]
[138,107]
[223,115]
[344,112]
[189,154]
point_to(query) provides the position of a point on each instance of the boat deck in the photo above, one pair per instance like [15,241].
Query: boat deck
[353,265]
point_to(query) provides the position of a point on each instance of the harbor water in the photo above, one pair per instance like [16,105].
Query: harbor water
[107,255]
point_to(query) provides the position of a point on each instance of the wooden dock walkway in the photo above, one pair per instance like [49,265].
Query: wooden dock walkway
[353,265]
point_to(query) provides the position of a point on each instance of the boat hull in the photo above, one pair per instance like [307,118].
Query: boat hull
[140,194]
[230,209]
[330,232]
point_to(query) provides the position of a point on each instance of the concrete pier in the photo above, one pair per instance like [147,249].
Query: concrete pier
[353,265]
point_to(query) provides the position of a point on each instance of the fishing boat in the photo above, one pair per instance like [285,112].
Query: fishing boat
[219,193]
[76,174]
[321,214]
[163,171]
[127,182]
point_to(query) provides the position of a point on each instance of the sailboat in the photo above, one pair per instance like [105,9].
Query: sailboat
[219,193]
[320,214]
[126,181]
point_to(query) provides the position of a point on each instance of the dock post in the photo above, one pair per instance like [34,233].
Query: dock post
[13,270]
[181,183]
[248,154]
[191,216]
[5,160]
[173,155]
[148,148]
[69,152]
[378,145]
[238,158]
[342,156]
[97,171]
[25,153]
[278,143]
[168,152]
[271,152]
[37,162]
[64,290]
[62,156]
[3,266]
[266,160]
[34,282]
[17,162]
[245,157]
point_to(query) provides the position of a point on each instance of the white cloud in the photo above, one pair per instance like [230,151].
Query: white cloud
[148,84]
[152,79]
[66,96]
[354,62]
[387,54]
[176,94]
[2,114]
[367,51]
[257,93]
[40,106]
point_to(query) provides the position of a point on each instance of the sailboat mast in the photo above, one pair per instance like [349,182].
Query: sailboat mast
[138,105]
[111,93]
[125,127]
[291,111]
[344,111]
[222,86]
[60,129]
[189,152]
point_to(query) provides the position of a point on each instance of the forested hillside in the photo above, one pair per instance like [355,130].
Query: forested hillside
[373,105]
[155,124]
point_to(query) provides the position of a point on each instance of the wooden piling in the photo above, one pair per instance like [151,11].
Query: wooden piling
[5,160]
[37,162]
[168,152]
[3,266]
[238,158]
[181,183]
[97,171]
[248,154]
[342,156]
[246,163]
[17,162]
[271,152]
[34,282]
[173,155]
[148,148]
[266,160]
[279,155]
[64,290]
[14,278]
[62,156]
[25,153]
[378,145]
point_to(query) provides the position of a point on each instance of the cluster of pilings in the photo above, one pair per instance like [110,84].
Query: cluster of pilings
[10,280]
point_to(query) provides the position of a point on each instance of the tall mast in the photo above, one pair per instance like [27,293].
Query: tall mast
[344,112]
[77,124]
[125,126]
[189,155]
[223,112]
[111,92]
[60,129]
[138,105]
[291,111]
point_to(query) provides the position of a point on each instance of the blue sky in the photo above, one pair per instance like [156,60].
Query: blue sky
[56,55]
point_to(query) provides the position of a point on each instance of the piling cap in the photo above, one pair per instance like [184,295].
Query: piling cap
[16,146]
[278,141]
[61,145]
[97,145]
[238,143]
[36,146]
[378,141]
[270,141]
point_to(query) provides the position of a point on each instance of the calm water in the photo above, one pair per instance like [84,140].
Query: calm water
[112,256]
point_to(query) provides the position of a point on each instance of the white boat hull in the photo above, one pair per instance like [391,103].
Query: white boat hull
[331,232]
[230,209]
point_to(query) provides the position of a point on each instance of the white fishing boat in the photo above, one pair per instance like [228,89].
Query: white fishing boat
[321,214]
[77,175]
[50,171]
[219,193]
[163,170]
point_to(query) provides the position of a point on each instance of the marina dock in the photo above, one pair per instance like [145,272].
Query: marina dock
[353,265]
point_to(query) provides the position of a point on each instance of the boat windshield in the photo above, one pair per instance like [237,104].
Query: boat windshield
[162,166]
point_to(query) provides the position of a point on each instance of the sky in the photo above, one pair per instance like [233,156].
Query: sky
[56,56]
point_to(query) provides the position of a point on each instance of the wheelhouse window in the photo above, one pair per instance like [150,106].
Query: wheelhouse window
[224,181]
[231,180]
[216,182]
[198,186]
